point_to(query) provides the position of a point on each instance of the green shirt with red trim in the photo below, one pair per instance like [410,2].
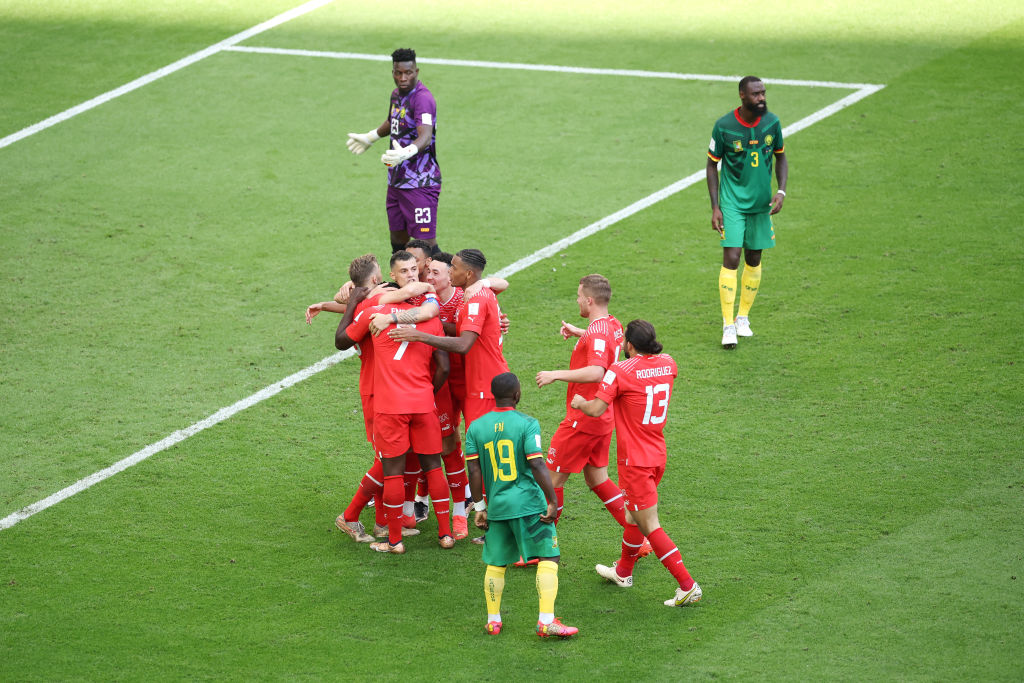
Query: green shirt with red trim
[747,152]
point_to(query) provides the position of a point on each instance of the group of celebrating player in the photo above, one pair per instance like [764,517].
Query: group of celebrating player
[430,345]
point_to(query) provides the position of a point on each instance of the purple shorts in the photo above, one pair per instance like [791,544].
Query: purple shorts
[413,211]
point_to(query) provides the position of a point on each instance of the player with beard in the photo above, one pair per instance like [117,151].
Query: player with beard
[748,143]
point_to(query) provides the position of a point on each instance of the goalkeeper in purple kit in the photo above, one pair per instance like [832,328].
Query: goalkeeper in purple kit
[414,177]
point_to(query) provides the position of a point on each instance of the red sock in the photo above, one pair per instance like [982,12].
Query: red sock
[421,486]
[611,496]
[669,555]
[372,484]
[410,484]
[559,493]
[632,539]
[393,505]
[438,488]
[455,472]
[380,516]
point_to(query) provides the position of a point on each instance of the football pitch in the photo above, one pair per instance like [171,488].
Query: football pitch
[846,486]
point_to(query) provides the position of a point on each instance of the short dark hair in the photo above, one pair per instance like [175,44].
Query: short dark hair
[418,244]
[443,257]
[474,258]
[747,80]
[401,255]
[598,287]
[641,335]
[403,54]
[504,385]
[360,270]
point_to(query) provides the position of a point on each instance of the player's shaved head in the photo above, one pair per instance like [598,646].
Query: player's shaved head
[746,81]
[641,335]
[402,255]
[505,388]
[362,269]
[598,288]
[474,259]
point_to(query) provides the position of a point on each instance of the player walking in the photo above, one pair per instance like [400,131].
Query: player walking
[504,453]
[414,177]
[640,388]
[746,141]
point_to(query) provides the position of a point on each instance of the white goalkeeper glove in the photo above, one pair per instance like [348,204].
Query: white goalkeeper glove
[398,154]
[357,144]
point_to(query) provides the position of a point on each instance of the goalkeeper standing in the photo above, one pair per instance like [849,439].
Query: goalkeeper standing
[414,178]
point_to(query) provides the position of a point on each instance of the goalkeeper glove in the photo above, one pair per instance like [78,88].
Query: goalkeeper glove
[398,154]
[357,144]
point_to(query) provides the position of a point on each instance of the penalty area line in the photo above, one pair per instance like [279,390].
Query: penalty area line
[507,271]
[163,71]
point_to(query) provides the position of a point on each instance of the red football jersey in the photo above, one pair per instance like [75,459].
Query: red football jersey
[485,359]
[640,388]
[402,375]
[357,331]
[599,345]
[449,311]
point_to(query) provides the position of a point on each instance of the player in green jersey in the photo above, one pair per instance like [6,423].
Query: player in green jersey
[504,455]
[748,143]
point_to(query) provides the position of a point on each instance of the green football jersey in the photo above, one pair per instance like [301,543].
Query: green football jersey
[747,154]
[504,440]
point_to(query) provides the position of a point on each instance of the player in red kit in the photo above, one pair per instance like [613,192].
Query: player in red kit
[640,388]
[580,444]
[478,335]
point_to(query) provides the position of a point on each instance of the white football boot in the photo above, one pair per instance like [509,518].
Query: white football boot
[729,337]
[743,326]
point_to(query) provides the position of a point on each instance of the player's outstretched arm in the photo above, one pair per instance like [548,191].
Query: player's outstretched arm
[461,344]
[495,284]
[341,339]
[314,309]
[569,330]
[360,142]
[595,407]
[393,296]
[380,321]
[589,374]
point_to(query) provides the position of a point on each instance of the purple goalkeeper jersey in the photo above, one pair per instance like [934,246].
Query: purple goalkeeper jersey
[414,109]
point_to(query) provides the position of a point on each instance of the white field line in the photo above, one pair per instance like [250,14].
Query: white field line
[507,271]
[164,71]
[176,437]
[632,73]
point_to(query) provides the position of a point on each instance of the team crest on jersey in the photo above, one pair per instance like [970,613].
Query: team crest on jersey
[737,145]
[768,139]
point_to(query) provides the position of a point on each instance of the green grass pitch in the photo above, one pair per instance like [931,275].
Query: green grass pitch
[847,486]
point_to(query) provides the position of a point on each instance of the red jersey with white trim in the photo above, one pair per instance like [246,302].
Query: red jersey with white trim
[485,359]
[403,381]
[599,345]
[640,388]
[449,310]
[357,331]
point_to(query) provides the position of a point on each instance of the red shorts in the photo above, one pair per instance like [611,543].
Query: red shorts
[444,406]
[570,449]
[640,486]
[368,416]
[475,406]
[395,435]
